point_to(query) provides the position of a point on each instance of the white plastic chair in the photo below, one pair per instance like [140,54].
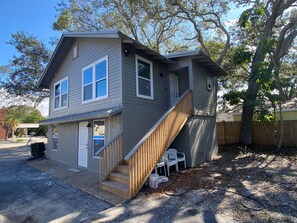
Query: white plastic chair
[170,159]
[160,164]
[181,157]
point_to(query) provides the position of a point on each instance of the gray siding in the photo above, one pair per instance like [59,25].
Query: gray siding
[90,51]
[67,143]
[204,100]
[198,140]
[140,114]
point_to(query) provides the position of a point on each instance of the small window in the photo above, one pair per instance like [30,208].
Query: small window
[75,51]
[144,78]
[209,83]
[61,94]
[95,80]
[55,137]
[98,136]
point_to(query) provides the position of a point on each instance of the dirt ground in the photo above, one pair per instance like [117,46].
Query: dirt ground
[244,184]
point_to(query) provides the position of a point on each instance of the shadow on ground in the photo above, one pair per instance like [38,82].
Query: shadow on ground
[264,177]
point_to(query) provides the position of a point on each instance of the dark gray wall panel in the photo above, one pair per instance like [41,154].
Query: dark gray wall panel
[197,140]
[140,114]
[204,99]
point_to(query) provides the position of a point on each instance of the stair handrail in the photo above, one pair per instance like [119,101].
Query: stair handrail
[110,156]
[107,144]
[155,126]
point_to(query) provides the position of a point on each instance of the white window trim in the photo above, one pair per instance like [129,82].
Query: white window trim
[137,57]
[54,94]
[93,66]
[93,145]
[75,50]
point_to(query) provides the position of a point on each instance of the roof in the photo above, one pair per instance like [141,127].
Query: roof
[28,125]
[202,59]
[67,39]
[104,113]
[291,104]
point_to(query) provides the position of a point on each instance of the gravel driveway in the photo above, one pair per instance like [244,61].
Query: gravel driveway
[29,195]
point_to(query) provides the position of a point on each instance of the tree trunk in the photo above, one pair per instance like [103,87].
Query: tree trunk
[246,128]
[280,142]
[6,134]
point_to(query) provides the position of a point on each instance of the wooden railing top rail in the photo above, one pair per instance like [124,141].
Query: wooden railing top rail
[108,143]
[131,153]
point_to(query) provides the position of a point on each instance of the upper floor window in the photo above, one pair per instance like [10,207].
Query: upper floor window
[95,80]
[75,51]
[61,94]
[144,78]
[209,83]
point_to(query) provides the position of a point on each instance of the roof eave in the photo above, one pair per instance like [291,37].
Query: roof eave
[213,67]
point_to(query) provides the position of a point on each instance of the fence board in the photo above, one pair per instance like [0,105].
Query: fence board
[263,133]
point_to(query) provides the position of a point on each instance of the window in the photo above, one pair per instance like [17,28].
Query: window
[98,136]
[61,94]
[209,83]
[75,51]
[95,80]
[55,137]
[144,78]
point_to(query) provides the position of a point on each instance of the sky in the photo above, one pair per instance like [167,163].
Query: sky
[34,16]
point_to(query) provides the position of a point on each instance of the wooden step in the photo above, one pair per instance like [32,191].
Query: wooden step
[125,162]
[119,177]
[124,169]
[115,187]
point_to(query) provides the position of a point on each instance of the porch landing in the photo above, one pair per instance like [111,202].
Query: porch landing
[84,180]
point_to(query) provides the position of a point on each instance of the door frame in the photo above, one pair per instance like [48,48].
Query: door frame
[177,87]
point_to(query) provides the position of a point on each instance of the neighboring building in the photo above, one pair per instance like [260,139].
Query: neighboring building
[2,129]
[234,114]
[111,97]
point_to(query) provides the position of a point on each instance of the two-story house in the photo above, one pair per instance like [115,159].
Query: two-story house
[116,106]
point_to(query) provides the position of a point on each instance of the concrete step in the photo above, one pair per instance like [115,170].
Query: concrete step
[115,187]
[124,169]
[119,177]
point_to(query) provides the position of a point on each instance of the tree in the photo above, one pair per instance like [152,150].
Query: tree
[24,114]
[15,115]
[262,49]
[131,17]
[10,123]
[25,69]
[207,20]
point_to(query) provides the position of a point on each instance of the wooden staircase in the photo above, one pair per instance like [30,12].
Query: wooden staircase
[126,177]
[117,181]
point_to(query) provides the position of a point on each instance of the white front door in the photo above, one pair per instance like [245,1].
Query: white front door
[174,92]
[83,144]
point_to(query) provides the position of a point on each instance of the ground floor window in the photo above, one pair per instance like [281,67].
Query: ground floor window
[55,136]
[98,136]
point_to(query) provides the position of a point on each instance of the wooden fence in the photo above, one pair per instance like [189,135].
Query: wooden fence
[263,133]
